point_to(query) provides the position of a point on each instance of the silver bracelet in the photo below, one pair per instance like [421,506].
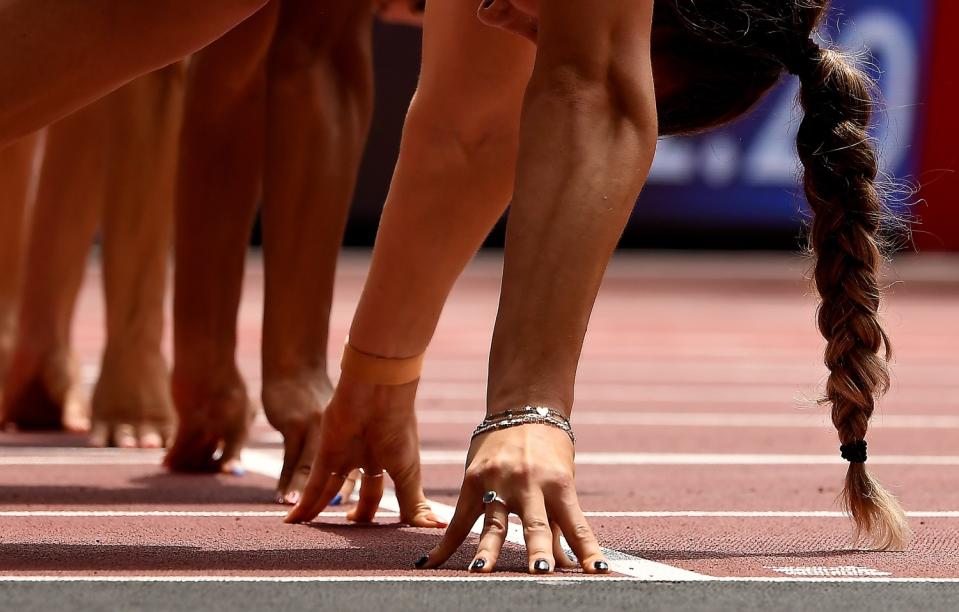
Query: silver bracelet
[526,415]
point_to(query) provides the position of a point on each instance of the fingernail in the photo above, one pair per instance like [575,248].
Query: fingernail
[488,3]
[336,501]
[541,566]
[601,566]
[292,497]
[238,470]
[477,565]
[279,498]
[419,563]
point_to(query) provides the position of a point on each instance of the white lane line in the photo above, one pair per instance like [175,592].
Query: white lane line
[622,563]
[555,579]
[164,514]
[391,503]
[457,457]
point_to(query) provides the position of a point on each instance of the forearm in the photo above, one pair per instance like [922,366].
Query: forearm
[446,195]
[61,54]
[319,111]
[583,160]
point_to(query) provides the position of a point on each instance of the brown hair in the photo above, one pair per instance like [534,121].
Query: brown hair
[740,49]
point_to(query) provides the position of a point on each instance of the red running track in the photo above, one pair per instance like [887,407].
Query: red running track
[701,448]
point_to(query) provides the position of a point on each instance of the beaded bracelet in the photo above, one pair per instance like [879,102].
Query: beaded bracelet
[524,416]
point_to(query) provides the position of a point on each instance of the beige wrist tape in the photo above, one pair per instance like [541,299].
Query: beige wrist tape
[374,370]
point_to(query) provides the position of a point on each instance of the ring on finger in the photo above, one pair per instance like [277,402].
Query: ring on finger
[339,475]
[492,496]
[370,475]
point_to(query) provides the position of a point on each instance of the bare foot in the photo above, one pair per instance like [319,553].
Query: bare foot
[214,415]
[132,406]
[294,406]
[42,392]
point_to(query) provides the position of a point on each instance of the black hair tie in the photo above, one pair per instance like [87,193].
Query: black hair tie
[803,59]
[854,452]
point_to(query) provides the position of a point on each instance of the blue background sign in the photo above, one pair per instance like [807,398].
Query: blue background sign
[744,177]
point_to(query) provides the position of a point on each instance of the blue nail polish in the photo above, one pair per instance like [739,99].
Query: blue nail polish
[336,501]
[601,566]
[419,563]
[541,566]
[238,470]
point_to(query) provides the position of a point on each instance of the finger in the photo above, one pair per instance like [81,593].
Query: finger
[536,532]
[234,438]
[414,509]
[292,449]
[371,492]
[124,436]
[568,514]
[315,500]
[495,526]
[559,550]
[100,435]
[192,451]
[469,507]
[150,436]
[304,464]
[345,494]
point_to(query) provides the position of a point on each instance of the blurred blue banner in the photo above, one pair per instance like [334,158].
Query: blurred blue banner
[744,177]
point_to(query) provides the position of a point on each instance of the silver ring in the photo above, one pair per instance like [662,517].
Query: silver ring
[491,496]
[368,475]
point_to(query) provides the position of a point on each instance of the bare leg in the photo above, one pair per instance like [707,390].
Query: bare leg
[320,102]
[60,55]
[16,178]
[220,168]
[131,402]
[42,386]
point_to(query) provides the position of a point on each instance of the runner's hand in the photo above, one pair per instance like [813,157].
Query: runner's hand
[530,468]
[372,427]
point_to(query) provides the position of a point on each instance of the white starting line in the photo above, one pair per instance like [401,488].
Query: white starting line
[272,514]
[555,580]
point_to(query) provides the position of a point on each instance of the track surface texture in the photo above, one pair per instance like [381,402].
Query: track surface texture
[704,463]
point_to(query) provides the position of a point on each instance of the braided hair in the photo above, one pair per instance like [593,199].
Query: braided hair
[747,46]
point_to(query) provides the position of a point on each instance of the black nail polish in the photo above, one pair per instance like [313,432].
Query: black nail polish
[419,563]
[541,566]
[488,3]
[477,565]
[601,566]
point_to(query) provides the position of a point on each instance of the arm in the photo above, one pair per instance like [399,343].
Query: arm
[587,141]
[59,55]
[453,180]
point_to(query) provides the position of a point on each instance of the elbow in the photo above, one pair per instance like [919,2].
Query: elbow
[464,135]
[620,98]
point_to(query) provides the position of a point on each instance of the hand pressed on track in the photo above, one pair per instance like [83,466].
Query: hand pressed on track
[372,427]
[530,467]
